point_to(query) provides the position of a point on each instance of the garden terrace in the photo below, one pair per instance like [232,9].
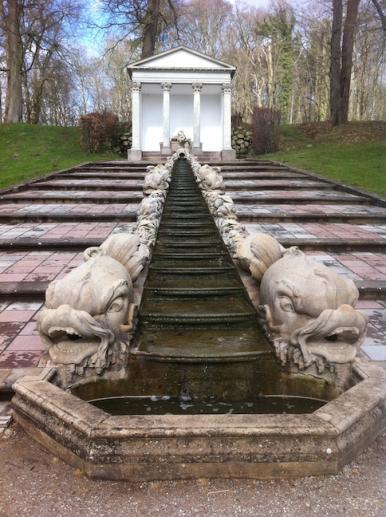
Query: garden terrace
[46,224]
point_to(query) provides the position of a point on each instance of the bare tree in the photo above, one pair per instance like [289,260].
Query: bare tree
[347,56]
[11,11]
[336,59]
[141,21]
[381,13]
[150,28]
[342,44]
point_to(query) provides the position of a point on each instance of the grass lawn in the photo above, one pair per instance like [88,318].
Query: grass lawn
[360,163]
[27,151]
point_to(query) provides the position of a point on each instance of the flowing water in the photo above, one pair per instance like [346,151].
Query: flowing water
[194,304]
[198,348]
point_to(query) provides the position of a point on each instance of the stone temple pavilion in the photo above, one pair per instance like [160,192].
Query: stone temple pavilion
[181,90]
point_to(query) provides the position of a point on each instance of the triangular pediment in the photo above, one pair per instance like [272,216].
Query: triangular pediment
[180,58]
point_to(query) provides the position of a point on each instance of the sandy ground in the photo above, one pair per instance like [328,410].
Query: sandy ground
[34,483]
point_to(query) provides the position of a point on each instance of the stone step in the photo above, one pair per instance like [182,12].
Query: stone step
[178,319]
[176,223]
[169,279]
[277,199]
[81,217]
[185,262]
[193,291]
[232,343]
[60,199]
[187,244]
[181,232]
[184,215]
[191,270]
[189,255]
[85,186]
[101,175]
[313,218]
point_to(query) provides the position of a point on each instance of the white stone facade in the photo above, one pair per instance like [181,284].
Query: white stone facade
[181,89]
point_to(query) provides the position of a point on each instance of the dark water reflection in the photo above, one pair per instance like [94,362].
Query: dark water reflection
[164,405]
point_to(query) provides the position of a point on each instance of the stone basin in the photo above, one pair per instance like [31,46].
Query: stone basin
[159,447]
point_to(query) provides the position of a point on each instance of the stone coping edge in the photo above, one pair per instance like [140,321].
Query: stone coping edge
[148,447]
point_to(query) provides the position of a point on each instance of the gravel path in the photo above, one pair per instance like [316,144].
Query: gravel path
[33,483]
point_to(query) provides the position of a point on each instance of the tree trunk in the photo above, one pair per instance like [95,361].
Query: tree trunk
[13,110]
[150,30]
[347,50]
[38,82]
[336,56]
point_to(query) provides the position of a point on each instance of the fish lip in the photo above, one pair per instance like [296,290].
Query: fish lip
[73,352]
[64,349]
[66,338]
[56,333]
[344,334]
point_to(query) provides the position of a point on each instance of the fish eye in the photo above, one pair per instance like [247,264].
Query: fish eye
[286,304]
[116,305]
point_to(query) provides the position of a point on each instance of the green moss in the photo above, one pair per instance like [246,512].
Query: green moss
[28,151]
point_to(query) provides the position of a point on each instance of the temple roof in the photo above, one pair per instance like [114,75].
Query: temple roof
[180,58]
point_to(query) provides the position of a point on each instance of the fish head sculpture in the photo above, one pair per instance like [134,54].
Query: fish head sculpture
[311,308]
[84,312]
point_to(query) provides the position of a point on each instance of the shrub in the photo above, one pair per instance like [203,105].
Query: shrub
[265,130]
[99,131]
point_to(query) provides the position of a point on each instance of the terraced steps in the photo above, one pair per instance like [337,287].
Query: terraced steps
[340,226]
[195,307]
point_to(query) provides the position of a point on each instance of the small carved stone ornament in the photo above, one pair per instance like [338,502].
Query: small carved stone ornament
[209,178]
[157,178]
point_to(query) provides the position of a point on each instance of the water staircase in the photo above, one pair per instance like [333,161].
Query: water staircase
[195,307]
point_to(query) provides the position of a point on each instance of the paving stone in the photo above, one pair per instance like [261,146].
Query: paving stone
[292,194]
[375,352]
[19,359]
[316,209]
[4,373]
[341,231]
[50,231]
[105,182]
[287,183]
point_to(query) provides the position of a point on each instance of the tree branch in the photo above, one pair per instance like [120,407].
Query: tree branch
[381,14]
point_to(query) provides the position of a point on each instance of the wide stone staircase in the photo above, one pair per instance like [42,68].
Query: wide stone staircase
[46,224]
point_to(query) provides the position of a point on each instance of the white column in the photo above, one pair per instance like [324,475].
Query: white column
[197,87]
[166,87]
[227,115]
[135,152]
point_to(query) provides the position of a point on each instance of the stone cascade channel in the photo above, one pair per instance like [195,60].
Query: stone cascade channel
[195,307]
